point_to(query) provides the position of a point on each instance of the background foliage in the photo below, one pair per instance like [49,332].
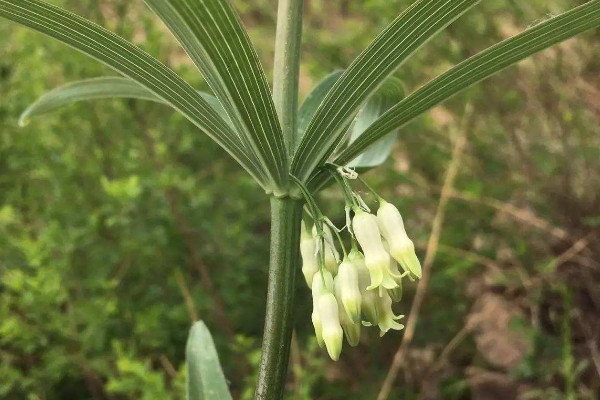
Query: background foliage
[120,224]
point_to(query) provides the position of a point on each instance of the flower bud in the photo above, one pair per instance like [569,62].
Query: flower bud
[308,251]
[331,254]
[347,280]
[332,333]
[351,329]
[401,247]
[376,258]
[387,319]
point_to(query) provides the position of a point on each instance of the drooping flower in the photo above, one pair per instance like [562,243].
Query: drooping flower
[370,307]
[351,328]
[308,249]
[369,298]
[402,248]
[396,293]
[394,264]
[319,287]
[376,258]
[327,308]
[316,321]
[349,292]
[330,253]
[387,319]
[321,284]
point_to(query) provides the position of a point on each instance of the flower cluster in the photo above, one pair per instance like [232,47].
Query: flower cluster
[359,289]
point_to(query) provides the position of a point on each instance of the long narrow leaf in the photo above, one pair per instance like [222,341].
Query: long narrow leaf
[411,30]
[100,88]
[213,36]
[87,89]
[313,101]
[386,97]
[134,63]
[205,379]
[477,68]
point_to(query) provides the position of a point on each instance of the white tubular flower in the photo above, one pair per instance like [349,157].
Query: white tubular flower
[308,251]
[393,265]
[316,320]
[358,260]
[347,280]
[396,293]
[319,287]
[351,328]
[376,258]
[387,319]
[369,299]
[333,335]
[331,254]
[401,247]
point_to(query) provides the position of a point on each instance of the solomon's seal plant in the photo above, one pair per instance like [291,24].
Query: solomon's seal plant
[350,119]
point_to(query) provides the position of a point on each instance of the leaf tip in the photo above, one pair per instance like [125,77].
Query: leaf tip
[24,120]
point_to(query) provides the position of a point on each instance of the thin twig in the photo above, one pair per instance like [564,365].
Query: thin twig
[571,252]
[521,214]
[450,347]
[475,257]
[167,366]
[564,257]
[529,218]
[429,258]
[187,296]
[591,341]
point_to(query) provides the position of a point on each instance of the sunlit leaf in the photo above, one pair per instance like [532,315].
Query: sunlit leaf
[134,63]
[477,68]
[101,88]
[313,100]
[213,36]
[411,30]
[205,379]
[387,96]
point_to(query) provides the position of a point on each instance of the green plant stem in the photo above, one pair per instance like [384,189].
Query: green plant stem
[286,215]
[287,67]
[377,196]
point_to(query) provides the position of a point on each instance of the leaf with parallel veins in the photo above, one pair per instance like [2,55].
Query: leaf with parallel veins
[212,34]
[411,30]
[133,62]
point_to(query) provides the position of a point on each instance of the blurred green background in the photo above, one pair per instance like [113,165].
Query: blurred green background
[120,223]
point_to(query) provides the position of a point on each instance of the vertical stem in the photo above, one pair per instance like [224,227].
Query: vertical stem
[286,215]
[287,67]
